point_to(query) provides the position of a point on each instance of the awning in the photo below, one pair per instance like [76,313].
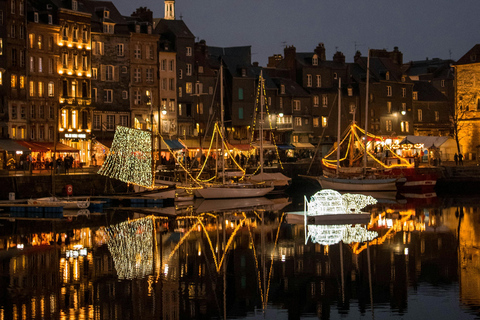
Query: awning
[192,143]
[241,147]
[140,119]
[266,145]
[303,145]
[12,145]
[173,144]
[285,146]
[32,146]
[105,142]
[60,146]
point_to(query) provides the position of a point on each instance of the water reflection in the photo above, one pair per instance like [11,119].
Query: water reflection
[244,263]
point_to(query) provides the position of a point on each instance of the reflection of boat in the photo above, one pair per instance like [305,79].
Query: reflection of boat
[279,181]
[233,204]
[238,190]
[65,203]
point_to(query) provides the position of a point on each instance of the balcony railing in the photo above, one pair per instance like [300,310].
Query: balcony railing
[284,126]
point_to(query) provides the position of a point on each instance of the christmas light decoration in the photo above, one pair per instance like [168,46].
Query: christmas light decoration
[130,158]
[131,246]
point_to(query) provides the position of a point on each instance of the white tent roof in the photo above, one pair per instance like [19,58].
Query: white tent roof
[428,141]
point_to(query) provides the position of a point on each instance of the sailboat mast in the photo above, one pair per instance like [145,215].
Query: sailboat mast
[339,122]
[222,122]
[366,113]
[261,121]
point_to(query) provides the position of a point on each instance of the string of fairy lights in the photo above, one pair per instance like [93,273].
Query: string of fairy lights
[130,158]
[261,86]
[353,130]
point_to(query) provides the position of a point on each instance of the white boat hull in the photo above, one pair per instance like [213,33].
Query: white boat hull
[223,192]
[357,184]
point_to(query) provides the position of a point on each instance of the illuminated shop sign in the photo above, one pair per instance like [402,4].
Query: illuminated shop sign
[75,135]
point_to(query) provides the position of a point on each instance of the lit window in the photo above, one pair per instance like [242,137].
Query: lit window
[51,89]
[188,88]
[298,121]
[319,81]
[74,119]
[297,105]
[309,80]
[388,125]
[325,100]
[389,107]
[404,92]
[316,122]
[420,115]
[189,51]
[437,116]
[324,122]
[315,60]
[40,89]
[13,81]
[415,95]
[189,69]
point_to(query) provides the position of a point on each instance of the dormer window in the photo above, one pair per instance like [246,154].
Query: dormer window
[74,5]
[137,28]
[404,78]
[244,72]
[35,17]
[350,92]
[108,28]
[315,60]
[106,14]
[50,19]
[282,89]
[387,76]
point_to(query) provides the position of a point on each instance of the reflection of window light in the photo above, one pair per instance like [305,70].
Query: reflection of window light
[406,251]
[283,258]
[389,223]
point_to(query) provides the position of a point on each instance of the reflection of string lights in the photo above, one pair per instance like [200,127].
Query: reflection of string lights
[131,246]
[329,201]
[332,234]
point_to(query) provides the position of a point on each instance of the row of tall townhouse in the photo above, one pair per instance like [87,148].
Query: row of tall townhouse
[73,70]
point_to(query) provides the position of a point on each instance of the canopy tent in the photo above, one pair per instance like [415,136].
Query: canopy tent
[240,147]
[303,145]
[266,145]
[60,147]
[32,146]
[285,146]
[172,144]
[446,146]
[12,146]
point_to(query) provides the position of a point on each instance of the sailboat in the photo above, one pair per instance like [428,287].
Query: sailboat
[233,190]
[363,181]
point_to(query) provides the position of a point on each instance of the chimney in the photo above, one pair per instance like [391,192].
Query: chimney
[320,51]
[274,60]
[339,57]
[255,64]
[291,61]
[143,13]
[357,56]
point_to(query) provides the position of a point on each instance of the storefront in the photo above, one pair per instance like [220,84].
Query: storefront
[12,155]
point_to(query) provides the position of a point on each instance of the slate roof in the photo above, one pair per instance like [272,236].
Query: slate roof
[96,9]
[177,27]
[379,66]
[235,58]
[472,56]
[305,59]
[427,92]
[437,68]
[291,87]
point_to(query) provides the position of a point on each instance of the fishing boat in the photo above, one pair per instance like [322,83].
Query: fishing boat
[66,203]
[247,189]
[352,177]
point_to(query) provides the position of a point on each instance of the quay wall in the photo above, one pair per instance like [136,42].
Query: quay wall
[35,186]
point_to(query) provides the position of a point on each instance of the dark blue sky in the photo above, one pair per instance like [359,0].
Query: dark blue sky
[420,28]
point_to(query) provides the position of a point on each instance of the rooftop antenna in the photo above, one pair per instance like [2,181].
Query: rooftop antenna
[181,16]
[357,45]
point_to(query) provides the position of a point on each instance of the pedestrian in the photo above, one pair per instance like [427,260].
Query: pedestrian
[94,160]
[460,159]
[455,157]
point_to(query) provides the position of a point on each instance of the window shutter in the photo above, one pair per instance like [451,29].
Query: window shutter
[116,73]
[102,72]
[94,47]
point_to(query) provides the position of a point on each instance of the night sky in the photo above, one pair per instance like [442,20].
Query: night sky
[420,28]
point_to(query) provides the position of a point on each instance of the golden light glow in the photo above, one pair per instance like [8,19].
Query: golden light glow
[79,74]
[79,47]
[89,75]
[60,44]
[69,73]
[88,48]
[60,71]
[69,45]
